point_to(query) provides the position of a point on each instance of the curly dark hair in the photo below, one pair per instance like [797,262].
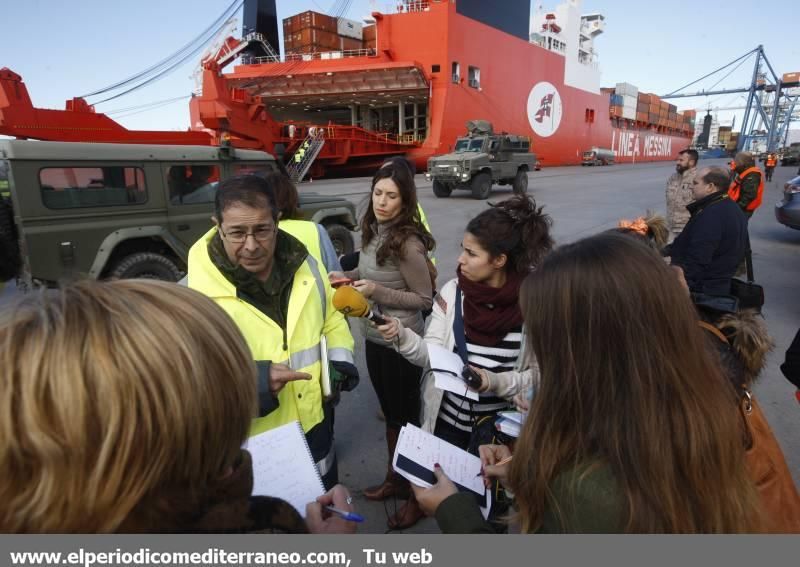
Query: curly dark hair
[517,228]
[407,224]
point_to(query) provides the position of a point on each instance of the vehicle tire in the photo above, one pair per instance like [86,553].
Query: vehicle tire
[521,182]
[342,239]
[441,190]
[10,259]
[481,186]
[147,265]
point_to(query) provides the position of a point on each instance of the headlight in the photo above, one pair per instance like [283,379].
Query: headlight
[428,176]
[455,168]
[465,176]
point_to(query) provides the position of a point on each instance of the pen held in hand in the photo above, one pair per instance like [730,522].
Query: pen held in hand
[349,516]
[498,464]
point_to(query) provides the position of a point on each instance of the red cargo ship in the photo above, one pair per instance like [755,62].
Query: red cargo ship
[427,69]
[417,77]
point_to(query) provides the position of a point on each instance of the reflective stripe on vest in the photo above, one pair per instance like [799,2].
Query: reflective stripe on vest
[735,189]
[312,263]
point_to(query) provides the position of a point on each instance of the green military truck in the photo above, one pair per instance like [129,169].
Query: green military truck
[791,155]
[125,210]
[481,159]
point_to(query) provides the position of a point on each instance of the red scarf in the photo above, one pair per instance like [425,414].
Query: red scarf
[490,313]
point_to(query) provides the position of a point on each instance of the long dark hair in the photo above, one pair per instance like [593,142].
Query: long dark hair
[407,224]
[627,383]
[517,228]
[286,196]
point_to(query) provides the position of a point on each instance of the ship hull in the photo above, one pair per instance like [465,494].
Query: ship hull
[520,87]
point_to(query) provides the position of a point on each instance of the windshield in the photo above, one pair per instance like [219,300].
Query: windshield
[254,168]
[588,154]
[469,145]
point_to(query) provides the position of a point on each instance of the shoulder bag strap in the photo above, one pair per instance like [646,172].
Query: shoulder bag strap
[458,328]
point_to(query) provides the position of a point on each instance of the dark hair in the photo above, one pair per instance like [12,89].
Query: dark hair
[286,195]
[717,177]
[402,160]
[517,228]
[628,385]
[407,224]
[693,155]
[744,160]
[250,190]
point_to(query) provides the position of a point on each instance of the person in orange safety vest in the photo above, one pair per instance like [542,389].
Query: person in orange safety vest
[747,186]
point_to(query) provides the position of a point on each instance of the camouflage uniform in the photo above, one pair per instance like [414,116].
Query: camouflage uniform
[679,194]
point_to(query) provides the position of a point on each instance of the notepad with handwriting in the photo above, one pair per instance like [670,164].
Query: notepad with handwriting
[283,466]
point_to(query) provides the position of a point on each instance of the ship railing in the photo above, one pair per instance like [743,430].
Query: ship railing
[318,55]
[415,6]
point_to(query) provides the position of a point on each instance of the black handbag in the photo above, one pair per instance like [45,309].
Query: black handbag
[749,293]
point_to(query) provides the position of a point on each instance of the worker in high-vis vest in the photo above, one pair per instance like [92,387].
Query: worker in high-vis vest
[769,165]
[312,234]
[747,186]
[278,295]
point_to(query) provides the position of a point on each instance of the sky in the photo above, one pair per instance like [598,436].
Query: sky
[64,49]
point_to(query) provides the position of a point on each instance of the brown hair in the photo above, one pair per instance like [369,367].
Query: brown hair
[517,228]
[627,383]
[407,224]
[716,176]
[121,406]
[286,197]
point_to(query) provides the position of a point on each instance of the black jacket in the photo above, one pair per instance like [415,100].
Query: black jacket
[712,244]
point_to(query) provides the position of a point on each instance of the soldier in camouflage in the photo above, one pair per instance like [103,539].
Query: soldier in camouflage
[679,191]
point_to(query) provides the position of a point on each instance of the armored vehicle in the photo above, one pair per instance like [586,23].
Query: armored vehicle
[481,159]
[125,210]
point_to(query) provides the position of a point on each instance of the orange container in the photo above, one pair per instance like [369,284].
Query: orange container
[791,78]
[370,33]
[641,116]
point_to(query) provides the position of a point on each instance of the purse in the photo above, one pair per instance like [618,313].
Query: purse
[749,293]
[766,464]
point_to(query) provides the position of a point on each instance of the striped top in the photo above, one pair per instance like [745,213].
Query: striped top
[460,411]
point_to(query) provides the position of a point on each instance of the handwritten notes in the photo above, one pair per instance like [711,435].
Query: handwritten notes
[418,451]
[283,467]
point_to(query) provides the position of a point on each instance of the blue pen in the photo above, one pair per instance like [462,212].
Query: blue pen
[349,516]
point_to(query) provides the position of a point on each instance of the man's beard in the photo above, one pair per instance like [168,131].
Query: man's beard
[681,168]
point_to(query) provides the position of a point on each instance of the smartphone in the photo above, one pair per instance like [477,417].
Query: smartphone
[340,282]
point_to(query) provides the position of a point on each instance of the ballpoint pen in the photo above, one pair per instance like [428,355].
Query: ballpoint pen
[498,464]
[349,516]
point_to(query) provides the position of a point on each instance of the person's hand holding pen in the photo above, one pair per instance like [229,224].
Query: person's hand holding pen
[321,520]
[496,462]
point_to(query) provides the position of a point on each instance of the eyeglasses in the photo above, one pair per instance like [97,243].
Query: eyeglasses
[261,234]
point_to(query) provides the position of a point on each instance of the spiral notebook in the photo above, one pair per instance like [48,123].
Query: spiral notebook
[283,466]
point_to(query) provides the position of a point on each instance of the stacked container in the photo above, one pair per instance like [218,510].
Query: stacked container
[312,32]
[369,34]
[629,94]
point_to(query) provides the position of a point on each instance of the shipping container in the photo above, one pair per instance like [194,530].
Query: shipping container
[644,97]
[369,33]
[616,100]
[629,113]
[642,107]
[350,28]
[615,111]
[310,19]
[627,89]
[791,78]
[641,116]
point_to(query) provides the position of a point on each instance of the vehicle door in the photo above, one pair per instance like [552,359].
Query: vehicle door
[190,188]
[68,209]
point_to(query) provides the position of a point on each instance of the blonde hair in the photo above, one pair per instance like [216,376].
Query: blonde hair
[117,398]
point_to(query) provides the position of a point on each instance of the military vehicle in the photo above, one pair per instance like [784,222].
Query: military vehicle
[125,210]
[791,155]
[481,159]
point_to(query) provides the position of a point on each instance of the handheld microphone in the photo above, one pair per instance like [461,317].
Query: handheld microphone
[348,301]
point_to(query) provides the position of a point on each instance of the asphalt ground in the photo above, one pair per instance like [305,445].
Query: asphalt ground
[582,202]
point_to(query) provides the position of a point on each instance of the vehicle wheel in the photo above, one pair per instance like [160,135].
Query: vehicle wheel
[342,239]
[10,260]
[481,186]
[441,190]
[521,182]
[147,265]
